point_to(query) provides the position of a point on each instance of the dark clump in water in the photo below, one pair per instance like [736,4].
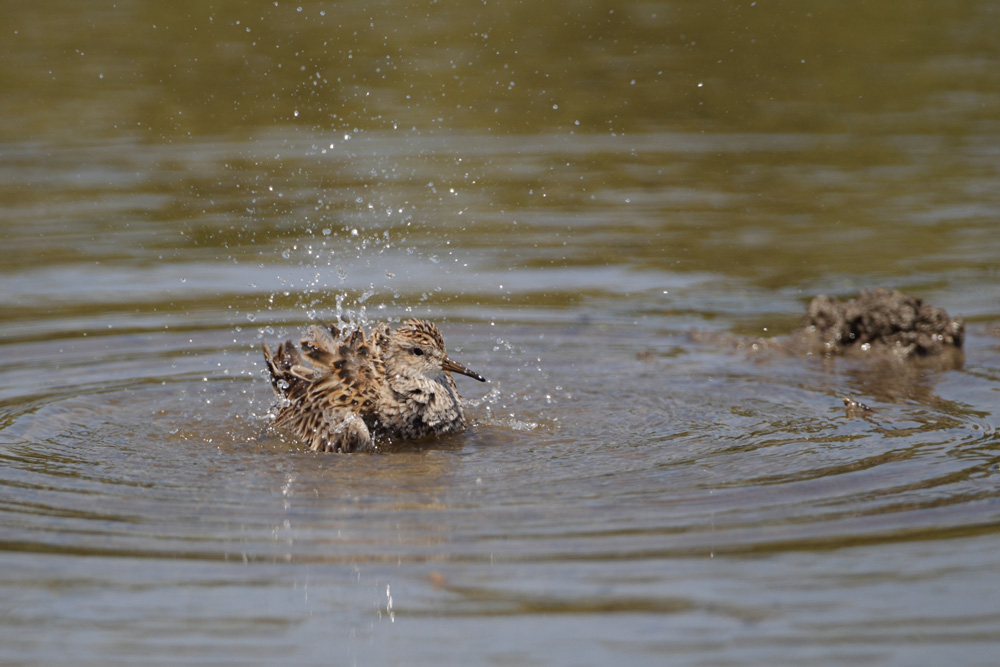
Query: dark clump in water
[883,321]
[883,328]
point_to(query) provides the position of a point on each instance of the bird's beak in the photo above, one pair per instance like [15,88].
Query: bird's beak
[456,367]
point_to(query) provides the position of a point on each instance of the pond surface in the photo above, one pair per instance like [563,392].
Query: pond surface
[602,207]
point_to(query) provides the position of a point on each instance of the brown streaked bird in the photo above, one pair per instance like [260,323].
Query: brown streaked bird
[350,389]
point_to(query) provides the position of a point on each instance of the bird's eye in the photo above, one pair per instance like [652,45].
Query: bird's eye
[417,352]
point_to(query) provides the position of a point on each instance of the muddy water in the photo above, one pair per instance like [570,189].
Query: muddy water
[569,192]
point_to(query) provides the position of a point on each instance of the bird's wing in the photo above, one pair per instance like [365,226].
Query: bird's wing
[350,369]
[333,392]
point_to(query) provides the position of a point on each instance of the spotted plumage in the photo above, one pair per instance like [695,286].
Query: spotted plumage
[345,391]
